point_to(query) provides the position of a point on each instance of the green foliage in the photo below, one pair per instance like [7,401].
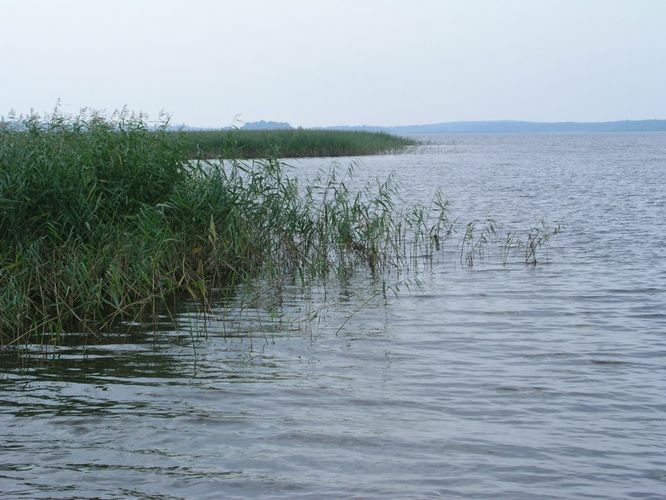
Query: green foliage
[291,143]
[106,219]
[473,245]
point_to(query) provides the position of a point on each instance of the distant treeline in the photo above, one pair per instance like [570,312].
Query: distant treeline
[288,143]
[525,127]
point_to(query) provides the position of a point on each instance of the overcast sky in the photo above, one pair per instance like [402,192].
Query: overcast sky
[335,62]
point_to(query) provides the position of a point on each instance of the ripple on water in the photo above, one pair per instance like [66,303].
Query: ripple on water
[497,381]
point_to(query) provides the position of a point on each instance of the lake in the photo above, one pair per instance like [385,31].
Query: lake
[500,380]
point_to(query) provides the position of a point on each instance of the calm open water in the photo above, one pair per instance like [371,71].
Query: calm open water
[491,382]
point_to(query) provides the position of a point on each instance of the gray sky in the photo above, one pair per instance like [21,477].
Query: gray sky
[335,62]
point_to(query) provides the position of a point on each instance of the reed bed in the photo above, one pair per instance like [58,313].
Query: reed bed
[107,219]
[289,143]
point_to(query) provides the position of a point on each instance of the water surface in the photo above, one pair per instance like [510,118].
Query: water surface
[507,381]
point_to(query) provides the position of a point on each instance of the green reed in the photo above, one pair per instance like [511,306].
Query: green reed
[290,143]
[107,219]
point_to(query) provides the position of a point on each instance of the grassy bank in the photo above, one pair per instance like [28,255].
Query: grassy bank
[103,220]
[294,143]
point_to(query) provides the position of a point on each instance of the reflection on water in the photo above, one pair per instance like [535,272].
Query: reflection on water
[497,381]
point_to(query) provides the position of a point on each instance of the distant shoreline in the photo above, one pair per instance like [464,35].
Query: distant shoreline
[458,127]
[516,127]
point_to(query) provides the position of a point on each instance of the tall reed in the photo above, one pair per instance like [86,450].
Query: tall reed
[106,218]
[292,143]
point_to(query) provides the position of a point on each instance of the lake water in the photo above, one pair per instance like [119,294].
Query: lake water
[496,381]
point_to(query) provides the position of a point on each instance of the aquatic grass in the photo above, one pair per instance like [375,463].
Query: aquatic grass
[537,237]
[290,143]
[475,240]
[105,219]
[511,242]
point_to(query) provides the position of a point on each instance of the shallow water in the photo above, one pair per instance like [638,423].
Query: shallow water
[494,381]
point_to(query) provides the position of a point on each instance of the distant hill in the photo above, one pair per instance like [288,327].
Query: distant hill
[265,125]
[509,127]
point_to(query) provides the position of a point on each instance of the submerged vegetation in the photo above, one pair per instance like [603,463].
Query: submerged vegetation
[106,219]
[289,143]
